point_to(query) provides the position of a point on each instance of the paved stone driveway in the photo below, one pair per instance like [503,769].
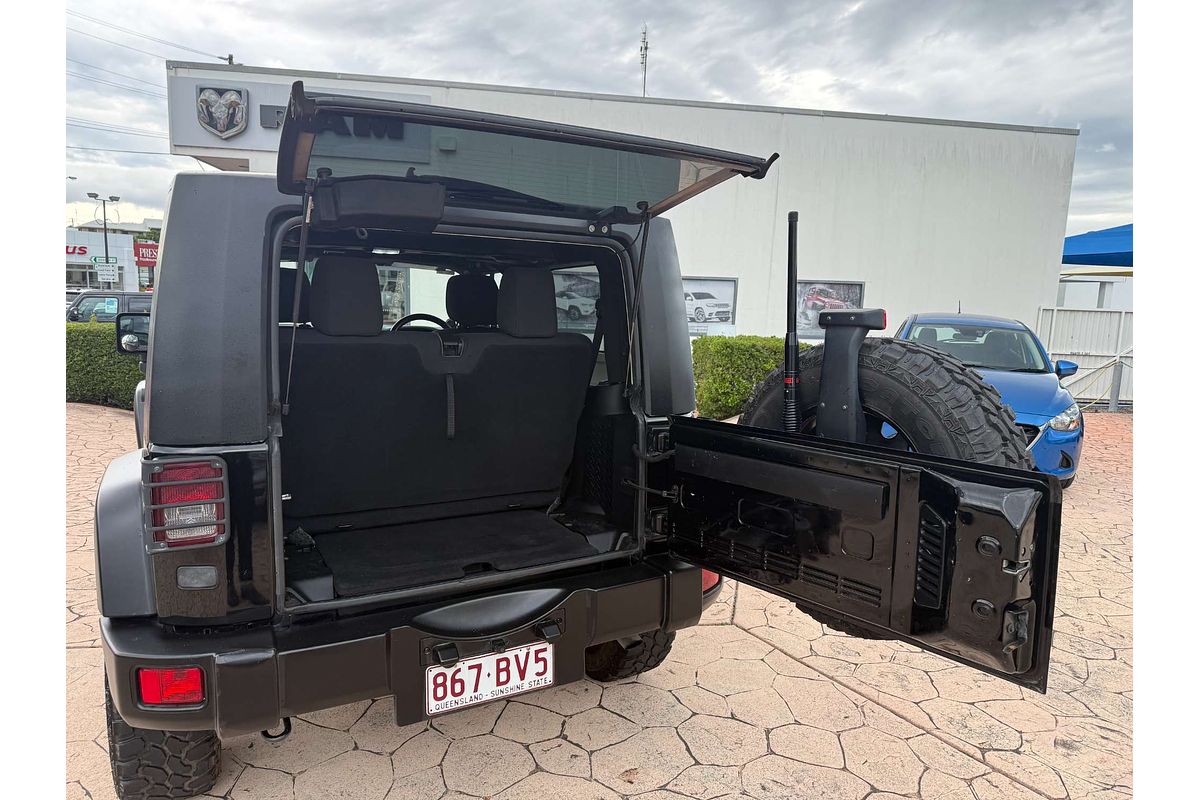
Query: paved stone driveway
[758,702]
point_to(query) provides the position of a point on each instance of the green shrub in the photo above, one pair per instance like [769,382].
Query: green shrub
[729,367]
[96,372]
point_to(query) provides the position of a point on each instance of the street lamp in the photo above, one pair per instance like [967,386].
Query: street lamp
[112,198]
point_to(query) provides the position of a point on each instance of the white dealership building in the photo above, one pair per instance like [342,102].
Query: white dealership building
[905,213]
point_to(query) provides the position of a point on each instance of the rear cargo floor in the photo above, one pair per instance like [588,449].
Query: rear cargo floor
[399,556]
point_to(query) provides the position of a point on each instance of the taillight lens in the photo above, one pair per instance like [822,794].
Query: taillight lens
[187,500]
[708,580]
[171,687]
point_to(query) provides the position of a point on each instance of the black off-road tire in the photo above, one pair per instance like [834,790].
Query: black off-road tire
[159,765]
[613,661]
[941,405]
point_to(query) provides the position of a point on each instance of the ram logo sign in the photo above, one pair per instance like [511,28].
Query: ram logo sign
[222,111]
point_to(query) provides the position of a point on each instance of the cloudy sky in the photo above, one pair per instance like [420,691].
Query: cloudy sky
[1065,63]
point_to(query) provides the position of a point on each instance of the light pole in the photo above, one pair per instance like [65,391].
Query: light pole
[112,198]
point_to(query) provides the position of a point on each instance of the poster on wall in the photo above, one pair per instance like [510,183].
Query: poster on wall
[711,305]
[576,292]
[813,297]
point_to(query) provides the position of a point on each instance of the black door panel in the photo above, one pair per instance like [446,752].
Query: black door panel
[953,557]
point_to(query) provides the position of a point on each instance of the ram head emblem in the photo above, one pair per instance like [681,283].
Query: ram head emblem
[222,111]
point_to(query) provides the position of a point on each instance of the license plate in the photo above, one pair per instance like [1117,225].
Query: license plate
[489,677]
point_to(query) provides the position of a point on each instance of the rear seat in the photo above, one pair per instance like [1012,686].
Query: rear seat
[392,427]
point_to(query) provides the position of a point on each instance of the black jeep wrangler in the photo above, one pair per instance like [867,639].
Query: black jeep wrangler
[376,458]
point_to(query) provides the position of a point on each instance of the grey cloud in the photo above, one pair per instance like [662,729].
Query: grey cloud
[1049,62]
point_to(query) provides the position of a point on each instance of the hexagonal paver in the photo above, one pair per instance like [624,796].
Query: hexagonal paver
[723,741]
[485,765]
[340,718]
[1094,750]
[470,721]
[701,645]
[853,651]
[357,775]
[562,758]
[1029,771]
[881,760]
[424,785]
[670,674]
[598,728]
[941,786]
[730,676]
[971,725]
[308,745]
[818,703]
[419,753]
[644,705]
[940,756]
[649,760]
[543,786]
[761,707]
[908,683]
[998,787]
[702,701]
[261,784]
[528,724]
[778,778]
[378,732]
[881,719]
[568,699]
[807,744]
[705,781]
[1020,715]
[969,685]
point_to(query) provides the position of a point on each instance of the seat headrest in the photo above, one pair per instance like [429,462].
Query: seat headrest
[471,300]
[526,307]
[345,297]
[927,335]
[287,295]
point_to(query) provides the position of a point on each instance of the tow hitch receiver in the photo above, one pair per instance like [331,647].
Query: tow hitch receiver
[839,409]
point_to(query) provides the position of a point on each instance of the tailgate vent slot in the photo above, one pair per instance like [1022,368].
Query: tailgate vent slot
[931,558]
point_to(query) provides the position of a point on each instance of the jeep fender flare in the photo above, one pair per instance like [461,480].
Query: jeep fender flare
[124,574]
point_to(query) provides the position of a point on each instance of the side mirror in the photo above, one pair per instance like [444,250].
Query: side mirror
[1064,369]
[73,315]
[133,333]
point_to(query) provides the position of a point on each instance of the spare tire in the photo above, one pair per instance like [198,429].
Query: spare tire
[915,398]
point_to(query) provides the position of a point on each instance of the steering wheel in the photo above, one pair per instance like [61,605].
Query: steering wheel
[403,321]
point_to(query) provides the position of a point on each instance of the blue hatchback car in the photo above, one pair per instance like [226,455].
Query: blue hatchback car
[1009,356]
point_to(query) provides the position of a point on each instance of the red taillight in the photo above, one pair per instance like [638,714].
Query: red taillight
[708,580]
[187,500]
[171,687]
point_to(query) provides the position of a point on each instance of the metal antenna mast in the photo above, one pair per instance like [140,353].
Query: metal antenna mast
[644,52]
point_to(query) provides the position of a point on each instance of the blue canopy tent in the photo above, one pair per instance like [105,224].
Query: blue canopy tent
[1111,247]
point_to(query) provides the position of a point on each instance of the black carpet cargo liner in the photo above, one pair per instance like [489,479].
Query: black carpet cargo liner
[399,556]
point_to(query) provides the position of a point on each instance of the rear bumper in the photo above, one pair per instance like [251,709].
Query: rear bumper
[255,677]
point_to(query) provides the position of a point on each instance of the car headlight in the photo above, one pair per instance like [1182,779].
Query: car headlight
[1068,420]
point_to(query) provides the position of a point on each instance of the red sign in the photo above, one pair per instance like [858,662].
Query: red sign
[77,249]
[145,254]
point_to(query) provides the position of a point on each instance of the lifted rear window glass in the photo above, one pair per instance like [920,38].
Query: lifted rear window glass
[490,168]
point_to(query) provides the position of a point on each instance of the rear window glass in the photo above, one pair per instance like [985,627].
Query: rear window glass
[582,179]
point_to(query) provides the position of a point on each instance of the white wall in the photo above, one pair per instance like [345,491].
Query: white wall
[928,214]
[1085,293]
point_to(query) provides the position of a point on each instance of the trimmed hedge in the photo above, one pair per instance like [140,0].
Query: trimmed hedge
[729,367]
[96,372]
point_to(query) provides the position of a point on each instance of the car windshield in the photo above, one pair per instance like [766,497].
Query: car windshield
[984,347]
[704,296]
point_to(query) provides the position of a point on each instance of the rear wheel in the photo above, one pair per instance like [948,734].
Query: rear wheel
[914,398]
[159,765]
[612,661]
